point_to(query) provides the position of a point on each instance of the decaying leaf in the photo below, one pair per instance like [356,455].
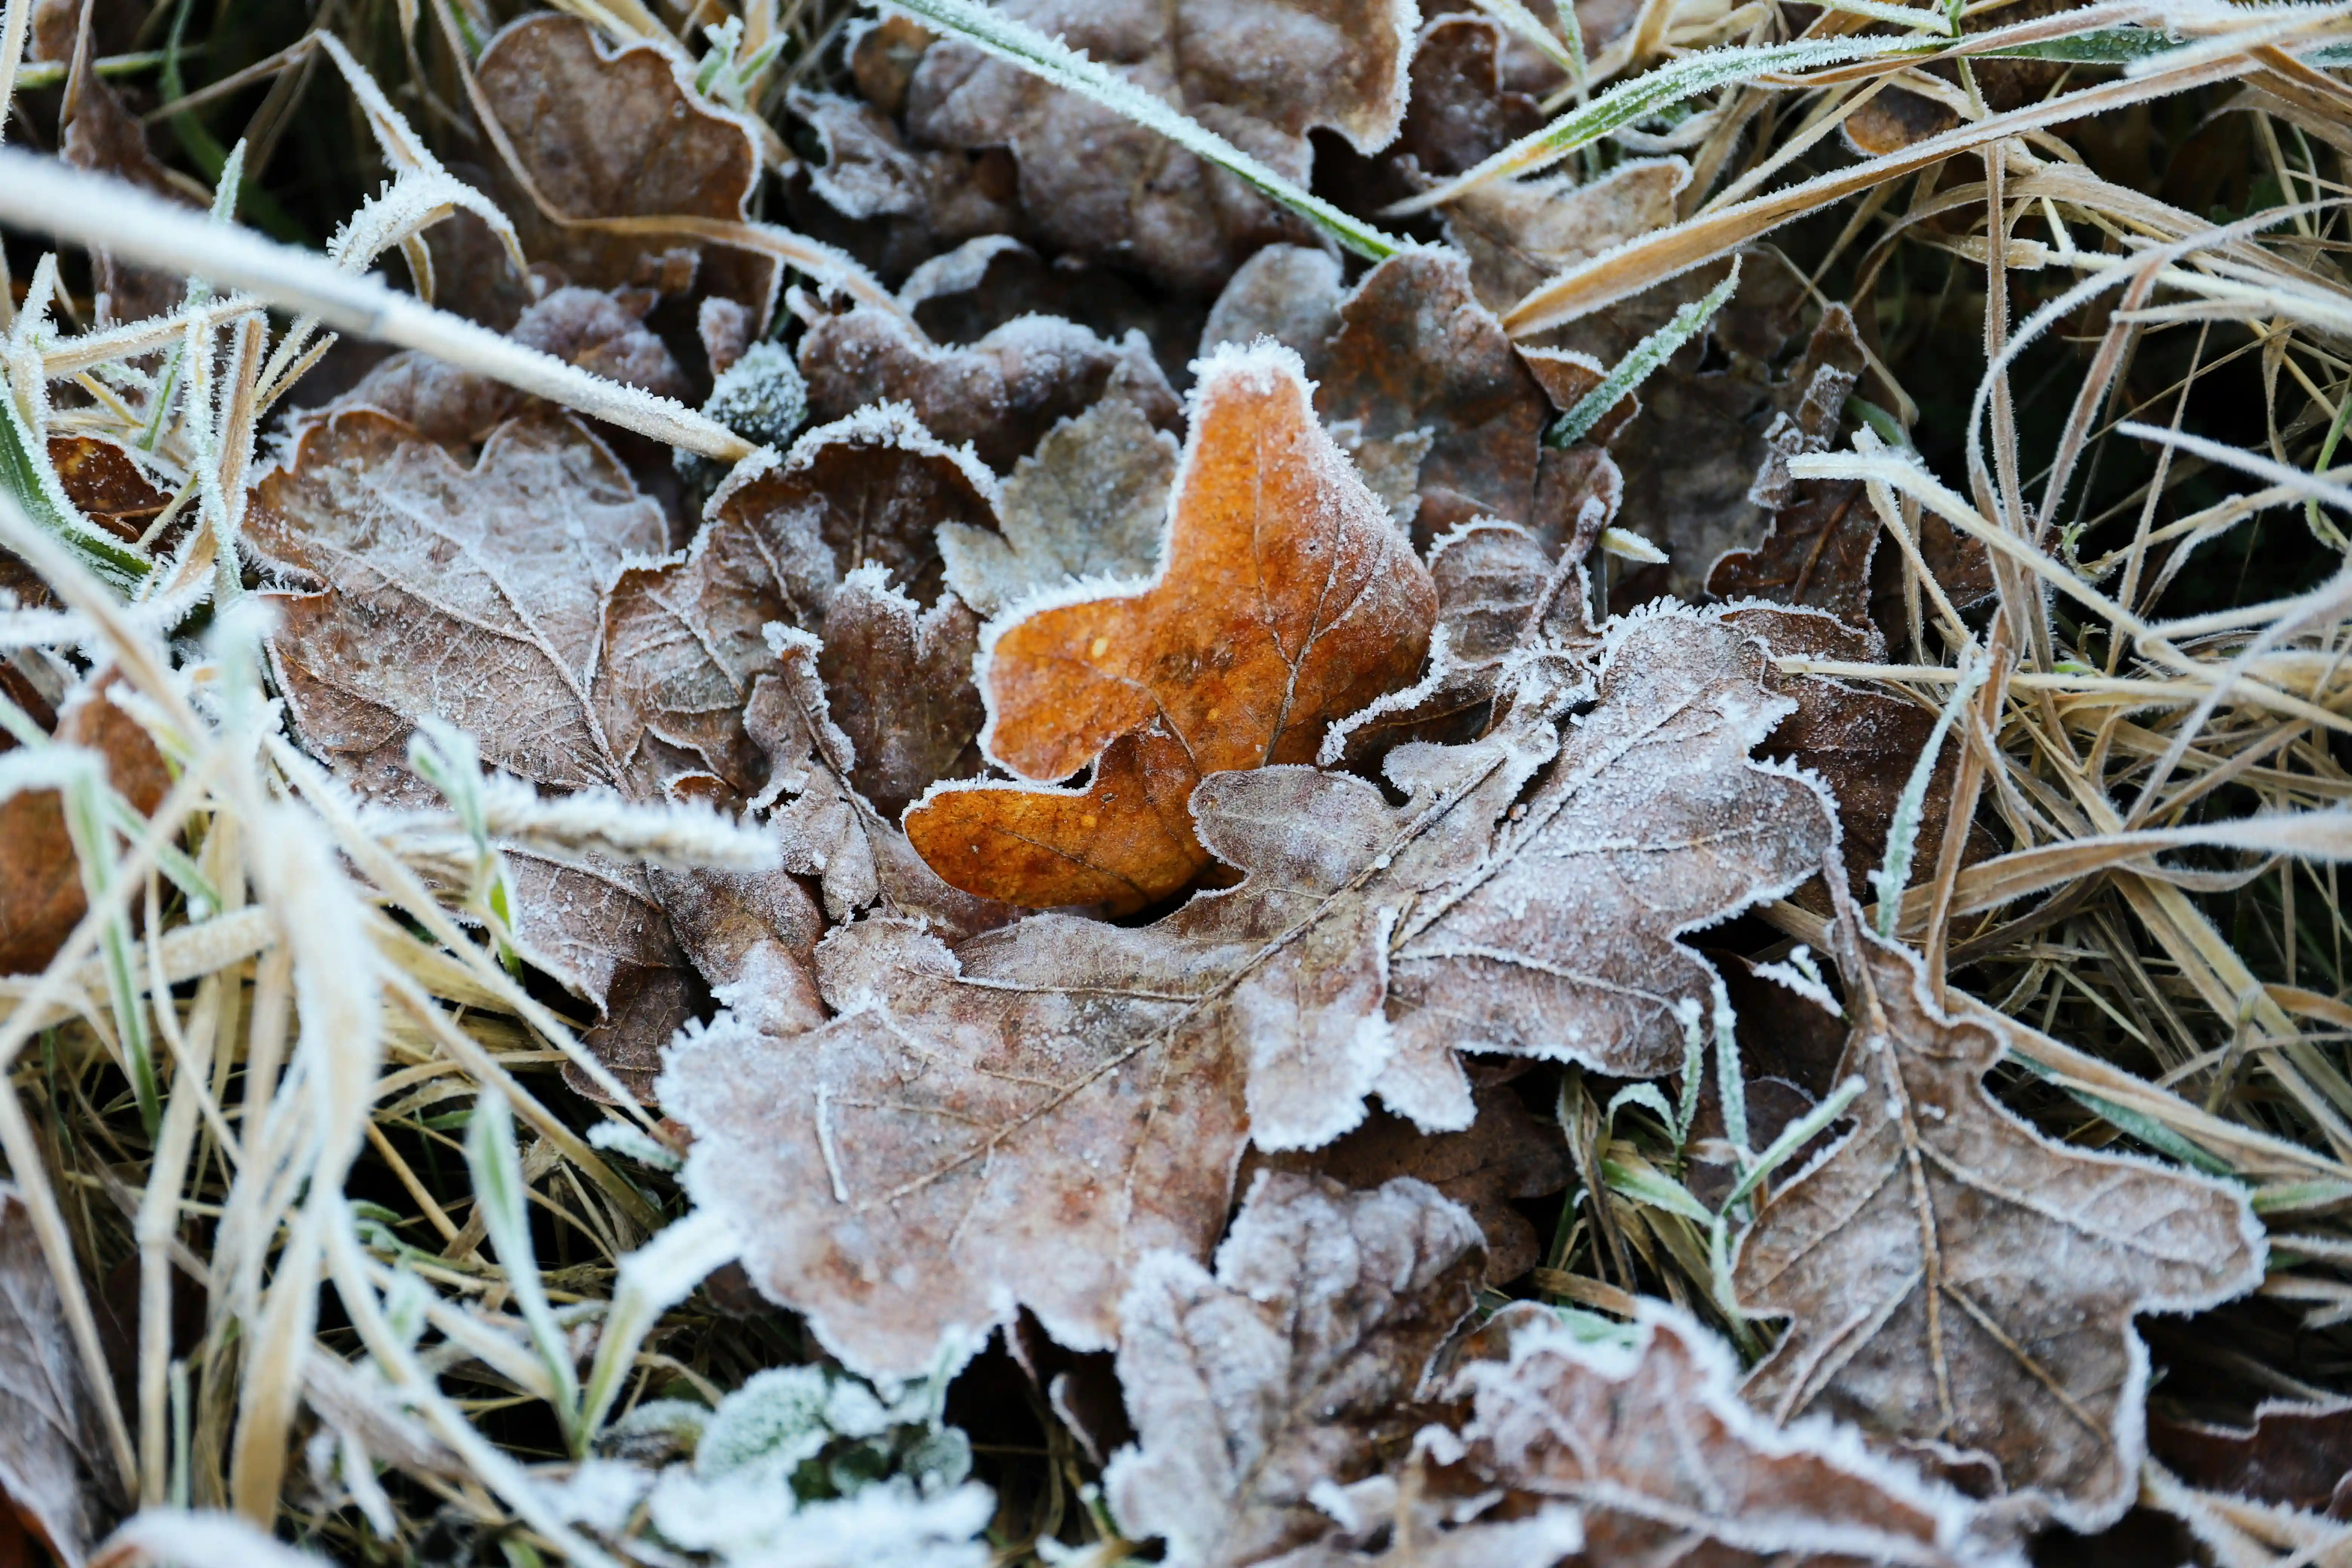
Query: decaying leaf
[923,199]
[1285,599]
[1652,1442]
[1000,395]
[1090,504]
[1106,1076]
[55,1471]
[900,686]
[1503,1155]
[1262,1390]
[1290,293]
[1261,73]
[107,484]
[41,889]
[2294,1454]
[605,133]
[1519,232]
[1954,1279]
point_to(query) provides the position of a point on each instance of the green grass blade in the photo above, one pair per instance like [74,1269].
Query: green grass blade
[1634,369]
[1019,44]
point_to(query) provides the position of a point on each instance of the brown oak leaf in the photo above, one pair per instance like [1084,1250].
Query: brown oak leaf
[1091,503]
[1031,1111]
[1519,232]
[900,684]
[1953,1279]
[1261,73]
[605,133]
[1283,600]
[1001,393]
[107,484]
[57,1472]
[2297,1455]
[1505,1155]
[1262,1390]
[1650,1441]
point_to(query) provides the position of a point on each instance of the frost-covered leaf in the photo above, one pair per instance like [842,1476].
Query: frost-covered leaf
[1506,1155]
[1652,1443]
[1952,1277]
[1257,1391]
[1415,350]
[56,1471]
[1000,395]
[889,1170]
[1259,73]
[605,132]
[1519,233]
[899,684]
[2291,1452]
[1285,598]
[1290,293]
[1091,503]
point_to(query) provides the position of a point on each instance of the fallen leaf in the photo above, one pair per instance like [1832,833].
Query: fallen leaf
[1460,113]
[991,281]
[1285,599]
[1519,233]
[1259,1390]
[55,1471]
[107,485]
[1861,742]
[1416,351]
[2293,1453]
[605,132]
[873,489]
[899,680]
[1505,1155]
[1823,533]
[927,198]
[41,892]
[1261,73]
[102,135]
[1953,1278]
[1000,395]
[1290,293]
[1106,1076]
[1652,1442]
[1089,503]
[598,331]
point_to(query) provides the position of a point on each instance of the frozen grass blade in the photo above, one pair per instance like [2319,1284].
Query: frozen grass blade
[1903,830]
[1643,357]
[498,1189]
[1019,44]
[654,1278]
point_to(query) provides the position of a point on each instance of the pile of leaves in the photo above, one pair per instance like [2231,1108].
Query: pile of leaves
[1228,782]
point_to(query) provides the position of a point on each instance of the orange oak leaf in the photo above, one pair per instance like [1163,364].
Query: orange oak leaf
[1956,1280]
[1285,600]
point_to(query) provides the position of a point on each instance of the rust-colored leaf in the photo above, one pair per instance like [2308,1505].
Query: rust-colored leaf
[1954,1279]
[1652,1442]
[2294,1454]
[1286,599]
[1261,1391]
[107,485]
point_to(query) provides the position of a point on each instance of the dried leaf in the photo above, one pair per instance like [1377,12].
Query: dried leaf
[2293,1453]
[41,891]
[1260,73]
[1259,1391]
[1652,1441]
[900,684]
[1416,351]
[1952,1277]
[1460,113]
[614,134]
[1106,1076]
[873,489]
[1090,504]
[101,134]
[55,1471]
[870,174]
[1285,599]
[1290,293]
[107,485]
[1000,395]
[1519,233]
[1505,1155]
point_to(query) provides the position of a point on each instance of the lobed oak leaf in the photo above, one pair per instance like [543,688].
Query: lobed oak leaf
[57,1472]
[1284,599]
[1261,1392]
[1000,395]
[1261,73]
[1030,1111]
[1954,1279]
[1089,503]
[1650,1441]
[607,133]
